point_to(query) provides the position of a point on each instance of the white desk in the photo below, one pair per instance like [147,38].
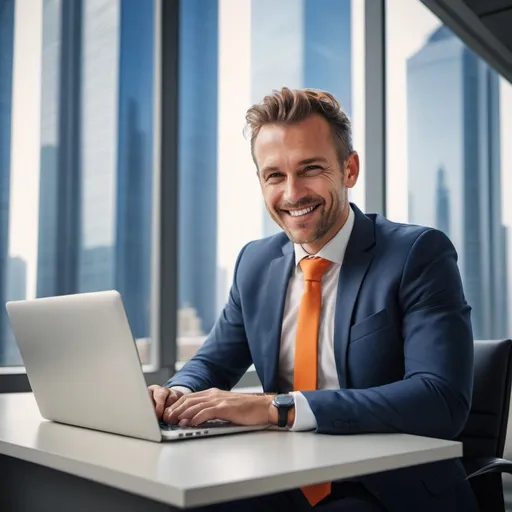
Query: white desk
[208,470]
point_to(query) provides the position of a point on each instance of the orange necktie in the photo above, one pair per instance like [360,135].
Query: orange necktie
[306,343]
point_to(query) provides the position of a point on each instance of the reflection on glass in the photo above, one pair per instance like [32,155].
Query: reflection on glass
[232,53]
[96,157]
[453,169]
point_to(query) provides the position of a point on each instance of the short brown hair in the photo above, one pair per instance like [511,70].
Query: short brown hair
[290,106]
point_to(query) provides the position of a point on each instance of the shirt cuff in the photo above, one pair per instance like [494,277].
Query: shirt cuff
[304,417]
[182,389]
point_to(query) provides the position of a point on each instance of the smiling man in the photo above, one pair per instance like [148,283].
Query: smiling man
[354,323]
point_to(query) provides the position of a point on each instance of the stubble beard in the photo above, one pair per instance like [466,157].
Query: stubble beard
[325,223]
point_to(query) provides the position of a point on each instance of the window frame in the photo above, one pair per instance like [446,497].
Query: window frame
[375,105]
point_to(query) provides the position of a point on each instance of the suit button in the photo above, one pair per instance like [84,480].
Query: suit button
[338,424]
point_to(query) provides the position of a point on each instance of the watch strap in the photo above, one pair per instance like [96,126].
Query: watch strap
[282,416]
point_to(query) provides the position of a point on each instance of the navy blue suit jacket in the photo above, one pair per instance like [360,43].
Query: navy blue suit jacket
[402,340]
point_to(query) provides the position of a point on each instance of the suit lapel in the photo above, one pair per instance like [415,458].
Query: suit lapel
[358,256]
[275,296]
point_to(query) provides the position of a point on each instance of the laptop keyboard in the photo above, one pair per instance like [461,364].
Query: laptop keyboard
[208,424]
[164,426]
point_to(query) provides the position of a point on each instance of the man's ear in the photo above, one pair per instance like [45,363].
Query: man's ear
[351,170]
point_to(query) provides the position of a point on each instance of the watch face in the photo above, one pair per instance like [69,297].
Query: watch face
[285,400]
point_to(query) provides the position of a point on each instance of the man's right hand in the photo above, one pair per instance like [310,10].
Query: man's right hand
[162,398]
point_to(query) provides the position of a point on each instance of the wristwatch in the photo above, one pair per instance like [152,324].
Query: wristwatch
[283,403]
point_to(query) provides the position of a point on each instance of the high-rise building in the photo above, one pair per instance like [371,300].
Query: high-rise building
[134,208]
[95,204]
[6,67]
[16,279]
[16,290]
[59,194]
[305,43]
[197,159]
[453,117]
[442,203]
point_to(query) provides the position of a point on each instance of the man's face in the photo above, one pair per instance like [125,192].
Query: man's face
[303,183]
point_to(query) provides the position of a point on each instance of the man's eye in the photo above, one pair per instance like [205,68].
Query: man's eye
[274,175]
[311,168]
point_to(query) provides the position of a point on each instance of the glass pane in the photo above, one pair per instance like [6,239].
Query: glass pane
[89,209]
[446,154]
[233,53]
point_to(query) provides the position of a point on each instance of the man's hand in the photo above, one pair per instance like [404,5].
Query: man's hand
[162,398]
[213,404]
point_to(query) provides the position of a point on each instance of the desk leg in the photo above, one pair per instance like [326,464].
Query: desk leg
[28,487]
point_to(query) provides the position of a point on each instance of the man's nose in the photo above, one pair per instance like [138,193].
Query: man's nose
[293,191]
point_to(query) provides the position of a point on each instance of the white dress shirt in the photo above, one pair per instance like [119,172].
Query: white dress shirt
[333,251]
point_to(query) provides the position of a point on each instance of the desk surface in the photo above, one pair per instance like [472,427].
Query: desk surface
[206,470]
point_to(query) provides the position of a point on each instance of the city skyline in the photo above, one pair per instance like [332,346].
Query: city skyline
[455,94]
[95,203]
[238,209]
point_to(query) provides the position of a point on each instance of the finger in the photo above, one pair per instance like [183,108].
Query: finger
[210,413]
[172,398]
[171,413]
[181,397]
[160,397]
[190,399]
[151,389]
[190,412]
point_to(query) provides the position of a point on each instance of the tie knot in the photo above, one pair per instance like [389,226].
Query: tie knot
[314,268]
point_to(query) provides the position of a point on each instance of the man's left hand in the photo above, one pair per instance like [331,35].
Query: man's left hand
[213,404]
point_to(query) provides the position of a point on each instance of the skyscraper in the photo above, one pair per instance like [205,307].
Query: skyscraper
[453,117]
[6,67]
[305,43]
[197,159]
[135,162]
[442,203]
[134,194]
[95,205]
[16,279]
[16,290]
[59,206]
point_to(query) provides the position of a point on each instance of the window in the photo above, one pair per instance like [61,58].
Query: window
[232,53]
[77,154]
[448,117]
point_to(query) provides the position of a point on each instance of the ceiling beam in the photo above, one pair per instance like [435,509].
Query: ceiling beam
[469,27]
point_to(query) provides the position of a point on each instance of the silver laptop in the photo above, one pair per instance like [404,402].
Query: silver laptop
[84,368]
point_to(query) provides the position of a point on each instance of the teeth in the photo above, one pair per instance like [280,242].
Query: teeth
[298,213]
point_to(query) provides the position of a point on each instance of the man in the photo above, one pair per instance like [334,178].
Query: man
[358,323]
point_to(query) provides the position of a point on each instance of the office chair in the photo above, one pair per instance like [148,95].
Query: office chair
[485,432]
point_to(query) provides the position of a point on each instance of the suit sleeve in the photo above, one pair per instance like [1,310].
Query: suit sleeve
[224,357]
[434,397]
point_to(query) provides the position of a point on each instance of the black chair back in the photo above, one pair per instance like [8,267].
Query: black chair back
[486,428]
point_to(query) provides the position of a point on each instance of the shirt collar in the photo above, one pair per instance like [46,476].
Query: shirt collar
[334,249]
